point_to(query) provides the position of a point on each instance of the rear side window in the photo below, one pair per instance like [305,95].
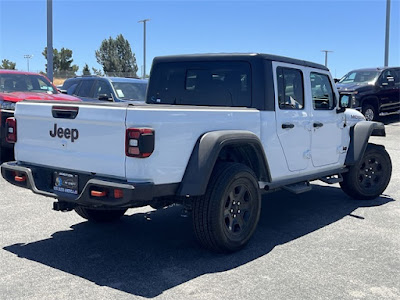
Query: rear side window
[203,84]
[84,88]
[68,83]
[396,73]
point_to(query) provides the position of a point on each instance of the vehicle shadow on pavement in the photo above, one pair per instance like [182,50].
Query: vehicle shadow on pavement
[148,253]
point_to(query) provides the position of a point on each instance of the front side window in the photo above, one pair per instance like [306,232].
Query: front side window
[388,78]
[290,88]
[101,88]
[323,96]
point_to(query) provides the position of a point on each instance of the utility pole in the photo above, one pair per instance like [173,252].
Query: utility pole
[28,57]
[50,40]
[326,56]
[387,33]
[144,45]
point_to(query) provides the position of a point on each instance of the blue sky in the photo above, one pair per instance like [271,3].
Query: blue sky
[353,30]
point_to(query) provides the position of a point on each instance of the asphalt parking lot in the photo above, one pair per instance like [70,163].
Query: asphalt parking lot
[317,245]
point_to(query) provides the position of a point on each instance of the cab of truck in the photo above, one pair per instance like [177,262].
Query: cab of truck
[373,91]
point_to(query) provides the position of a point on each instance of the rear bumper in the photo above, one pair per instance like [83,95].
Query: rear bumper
[40,181]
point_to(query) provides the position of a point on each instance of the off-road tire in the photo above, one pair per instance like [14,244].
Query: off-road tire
[368,178]
[225,218]
[99,216]
[370,113]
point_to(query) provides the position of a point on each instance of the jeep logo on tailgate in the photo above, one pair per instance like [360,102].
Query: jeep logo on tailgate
[72,134]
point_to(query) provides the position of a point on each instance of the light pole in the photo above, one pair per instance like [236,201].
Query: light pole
[326,56]
[387,33]
[144,45]
[50,40]
[28,57]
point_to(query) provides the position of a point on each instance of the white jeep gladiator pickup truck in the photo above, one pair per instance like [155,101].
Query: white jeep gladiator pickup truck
[215,132]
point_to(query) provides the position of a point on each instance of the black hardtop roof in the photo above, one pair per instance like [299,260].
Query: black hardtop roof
[236,56]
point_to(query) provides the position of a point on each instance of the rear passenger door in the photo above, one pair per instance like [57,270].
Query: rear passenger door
[292,115]
[327,126]
[389,93]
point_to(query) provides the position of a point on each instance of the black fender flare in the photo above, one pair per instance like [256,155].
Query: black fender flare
[359,137]
[373,100]
[205,154]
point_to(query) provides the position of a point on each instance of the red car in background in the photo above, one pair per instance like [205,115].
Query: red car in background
[16,86]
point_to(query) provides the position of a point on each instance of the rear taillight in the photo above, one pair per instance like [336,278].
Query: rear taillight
[139,142]
[11,130]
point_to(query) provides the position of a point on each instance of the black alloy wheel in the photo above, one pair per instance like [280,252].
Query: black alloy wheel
[239,207]
[370,176]
[369,112]
[225,218]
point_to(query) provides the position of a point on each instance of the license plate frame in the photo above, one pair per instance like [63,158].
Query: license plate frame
[65,182]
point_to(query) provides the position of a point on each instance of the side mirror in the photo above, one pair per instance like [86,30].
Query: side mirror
[344,101]
[336,80]
[106,97]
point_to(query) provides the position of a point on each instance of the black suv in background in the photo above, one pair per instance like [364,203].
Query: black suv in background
[372,91]
[96,89]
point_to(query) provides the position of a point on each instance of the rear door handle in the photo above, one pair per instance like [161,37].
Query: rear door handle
[318,124]
[287,125]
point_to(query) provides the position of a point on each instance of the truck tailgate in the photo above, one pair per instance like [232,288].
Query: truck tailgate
[93,141]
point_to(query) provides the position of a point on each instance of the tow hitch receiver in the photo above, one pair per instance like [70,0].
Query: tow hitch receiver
[63,206]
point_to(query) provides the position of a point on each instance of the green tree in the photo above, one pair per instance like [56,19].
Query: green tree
[6,64]
[62,62]
[117,58]
[56,59]
[86,70]
[97,72]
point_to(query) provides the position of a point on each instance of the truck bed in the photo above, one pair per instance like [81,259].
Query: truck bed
[100,146]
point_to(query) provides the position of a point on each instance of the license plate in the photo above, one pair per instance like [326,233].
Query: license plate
[66,183]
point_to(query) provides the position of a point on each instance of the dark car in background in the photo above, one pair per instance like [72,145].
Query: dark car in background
[16,86]
[372,91]
[100,89]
